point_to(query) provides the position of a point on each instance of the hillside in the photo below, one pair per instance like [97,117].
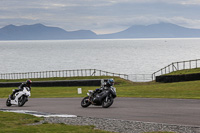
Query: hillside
[42,32]
[161,30]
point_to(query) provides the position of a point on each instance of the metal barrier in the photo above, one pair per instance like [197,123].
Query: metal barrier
[190,64]
[140,77]
[61,73]
[75,73]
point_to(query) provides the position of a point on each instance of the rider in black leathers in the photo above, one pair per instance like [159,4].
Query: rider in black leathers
[109,83]
[27,84]
[106,85]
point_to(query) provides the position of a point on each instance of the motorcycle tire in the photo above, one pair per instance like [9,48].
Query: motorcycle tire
[107,102]
[21,101]
[8,102]
[85,102]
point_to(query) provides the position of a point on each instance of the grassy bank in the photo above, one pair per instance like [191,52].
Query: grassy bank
[185,90]
[186,71]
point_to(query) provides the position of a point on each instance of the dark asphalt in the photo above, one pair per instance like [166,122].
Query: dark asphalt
[170,111]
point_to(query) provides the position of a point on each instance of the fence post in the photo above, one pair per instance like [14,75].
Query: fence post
[196,63]
[177,66]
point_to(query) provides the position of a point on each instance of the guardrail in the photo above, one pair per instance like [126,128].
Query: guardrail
[174,66]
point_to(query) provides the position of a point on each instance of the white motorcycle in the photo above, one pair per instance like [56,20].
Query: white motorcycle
[20,98]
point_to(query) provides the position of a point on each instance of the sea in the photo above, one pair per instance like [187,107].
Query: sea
[124,56]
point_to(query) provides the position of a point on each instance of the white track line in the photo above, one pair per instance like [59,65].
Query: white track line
[38,114]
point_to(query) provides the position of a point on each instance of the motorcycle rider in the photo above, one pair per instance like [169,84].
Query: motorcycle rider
[106,85]
[109,83]
[27,84]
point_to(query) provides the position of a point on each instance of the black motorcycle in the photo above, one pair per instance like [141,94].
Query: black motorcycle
[102,98]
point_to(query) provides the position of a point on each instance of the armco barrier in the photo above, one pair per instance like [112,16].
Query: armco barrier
[92,82]
[177,78]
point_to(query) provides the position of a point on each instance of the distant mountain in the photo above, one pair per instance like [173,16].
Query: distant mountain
[161,30]
[42,32]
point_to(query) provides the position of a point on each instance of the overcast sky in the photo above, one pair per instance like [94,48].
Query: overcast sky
[100,16]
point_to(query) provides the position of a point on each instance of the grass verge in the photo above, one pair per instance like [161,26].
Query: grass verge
[185,71]
[14,122]
[20,123]
[183,90]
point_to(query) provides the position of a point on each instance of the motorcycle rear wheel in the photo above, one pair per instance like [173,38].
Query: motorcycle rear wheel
[107,102]
[85,102]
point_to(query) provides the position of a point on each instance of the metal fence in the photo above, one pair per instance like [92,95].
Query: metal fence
[140,77]
[175,66]
[75,73]
[95,72]
[60,73]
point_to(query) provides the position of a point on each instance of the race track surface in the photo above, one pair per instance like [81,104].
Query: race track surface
[169,111]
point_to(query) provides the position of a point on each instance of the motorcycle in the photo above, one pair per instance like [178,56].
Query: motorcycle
[20,98]
[104,98]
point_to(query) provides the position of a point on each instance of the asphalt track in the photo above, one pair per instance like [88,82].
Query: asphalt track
[169,111]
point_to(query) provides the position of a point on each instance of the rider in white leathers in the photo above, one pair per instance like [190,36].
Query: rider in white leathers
[27,84]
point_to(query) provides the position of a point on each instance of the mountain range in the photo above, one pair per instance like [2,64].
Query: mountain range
[42,32]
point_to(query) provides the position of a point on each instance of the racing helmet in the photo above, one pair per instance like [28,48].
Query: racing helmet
[111,82]
[28,82]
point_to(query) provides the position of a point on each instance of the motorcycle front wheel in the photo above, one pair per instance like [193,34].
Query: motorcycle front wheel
[107,102]
[21,101]
[8,102]
[85,102]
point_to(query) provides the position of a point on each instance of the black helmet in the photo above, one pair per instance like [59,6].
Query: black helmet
[28,82]
[111,82]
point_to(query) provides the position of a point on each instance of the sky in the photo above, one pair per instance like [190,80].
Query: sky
[100,16]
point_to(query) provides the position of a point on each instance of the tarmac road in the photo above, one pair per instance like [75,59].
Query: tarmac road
[169,111]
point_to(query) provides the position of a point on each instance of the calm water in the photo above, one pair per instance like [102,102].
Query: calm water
[128,56]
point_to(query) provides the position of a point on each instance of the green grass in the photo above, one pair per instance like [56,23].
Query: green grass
[53,92]
[18,123]
[186,71]
[184,90]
